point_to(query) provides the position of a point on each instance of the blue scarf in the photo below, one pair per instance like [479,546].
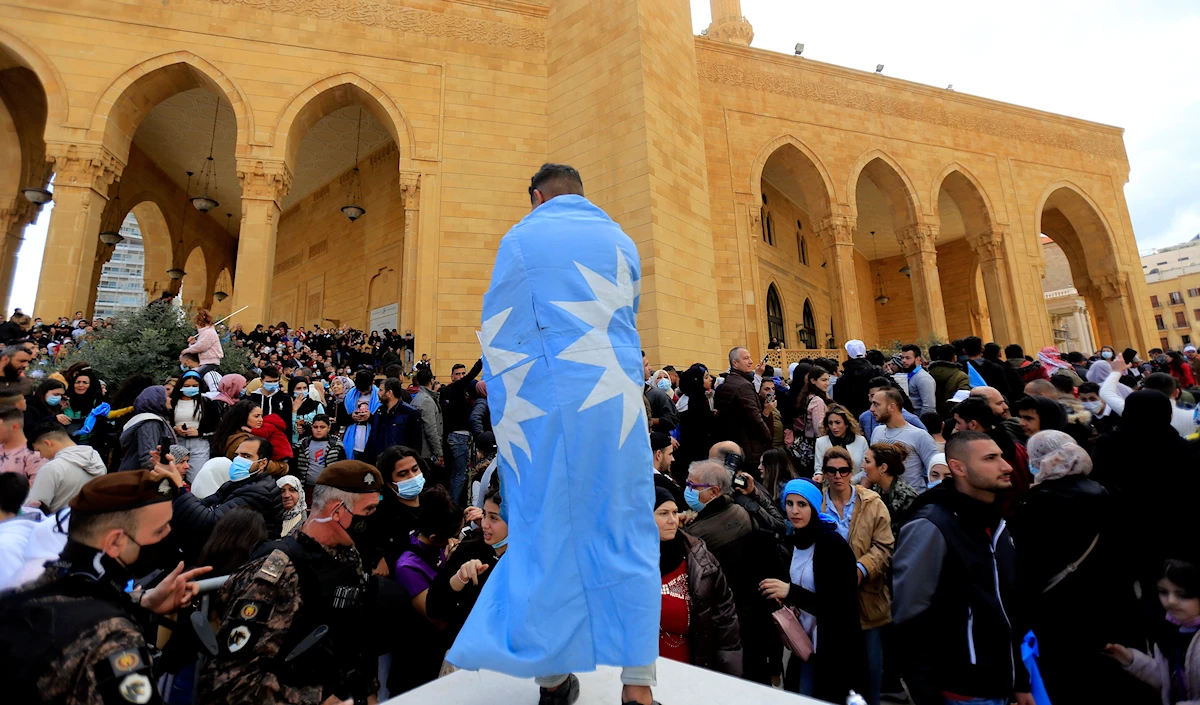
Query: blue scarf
[350,402]
[812,494]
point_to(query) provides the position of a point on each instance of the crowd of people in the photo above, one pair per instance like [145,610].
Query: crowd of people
[925,525]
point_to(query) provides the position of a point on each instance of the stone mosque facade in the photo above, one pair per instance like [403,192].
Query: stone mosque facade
[769,195]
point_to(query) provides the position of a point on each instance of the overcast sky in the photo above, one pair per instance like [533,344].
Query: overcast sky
[1130,64]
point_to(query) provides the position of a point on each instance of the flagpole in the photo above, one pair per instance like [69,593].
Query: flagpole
[231,315]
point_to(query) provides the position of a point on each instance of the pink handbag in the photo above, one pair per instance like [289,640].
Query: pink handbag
[793,635]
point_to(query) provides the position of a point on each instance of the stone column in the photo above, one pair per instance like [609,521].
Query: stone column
[410,191]
[264,184]
[918,243]
[83,173]
[728,24]
[1000,302]
[13,219]
[1112,288]
[836,234]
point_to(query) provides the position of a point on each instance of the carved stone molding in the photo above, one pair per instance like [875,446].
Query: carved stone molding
[387,15]
[264,180]
[410,190]
[989,245]
[1101,145]
[731,30]
[836,230]
[917,239]
[1111,285]
[16,215]
[84,165]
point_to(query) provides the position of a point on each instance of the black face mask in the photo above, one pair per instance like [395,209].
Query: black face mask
[152,557]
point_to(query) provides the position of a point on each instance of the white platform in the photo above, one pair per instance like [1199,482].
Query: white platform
[678,684]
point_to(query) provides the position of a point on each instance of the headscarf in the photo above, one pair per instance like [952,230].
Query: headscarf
[179,453]
[229,389]
[301,508]
[83,403]
[1050,356]
[481,388]
[152,400]
[1050,412]
[671,553]
[1054,454]
[347,385]
[1147,414]
[821,521]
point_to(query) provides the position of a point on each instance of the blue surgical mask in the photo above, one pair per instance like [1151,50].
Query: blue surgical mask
[54,399]
[933,483]
[500,544]
[239,468]
[183,367]
[190,391]
[410,488]
[271,387]
[664,384]
[1033,471]
[1107,355]
[692,497]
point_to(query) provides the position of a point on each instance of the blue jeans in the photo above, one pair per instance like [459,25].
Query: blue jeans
[459,443]
[873,640]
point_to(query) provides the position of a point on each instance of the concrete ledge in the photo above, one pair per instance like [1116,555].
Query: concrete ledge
[678,684]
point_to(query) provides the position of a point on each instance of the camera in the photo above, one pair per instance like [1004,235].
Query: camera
[733,463]
[740,482]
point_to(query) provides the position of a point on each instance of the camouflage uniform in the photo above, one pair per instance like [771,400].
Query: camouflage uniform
[260,608]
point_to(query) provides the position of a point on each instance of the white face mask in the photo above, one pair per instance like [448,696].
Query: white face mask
[1094,406]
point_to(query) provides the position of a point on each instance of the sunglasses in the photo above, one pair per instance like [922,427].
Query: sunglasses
[837,471]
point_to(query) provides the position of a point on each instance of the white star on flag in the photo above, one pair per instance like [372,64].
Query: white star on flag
[498,359]
[508,429]
[596,348]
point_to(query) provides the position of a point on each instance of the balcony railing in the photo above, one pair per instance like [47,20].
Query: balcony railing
[782,358]
[1061,293]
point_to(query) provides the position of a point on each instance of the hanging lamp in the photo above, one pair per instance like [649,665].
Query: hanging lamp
[220,296]
[175,272]
[882,299]
[111,235]
[208,173]
[353,210]
[38,194]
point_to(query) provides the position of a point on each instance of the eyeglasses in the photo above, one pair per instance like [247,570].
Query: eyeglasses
[837,471]
[696,486]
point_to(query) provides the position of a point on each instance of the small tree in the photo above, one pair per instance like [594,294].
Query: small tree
[147,341]
[893,347]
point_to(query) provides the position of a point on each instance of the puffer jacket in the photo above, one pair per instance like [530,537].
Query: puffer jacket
[275,430]
[713,632]
[871,540]
[195,518]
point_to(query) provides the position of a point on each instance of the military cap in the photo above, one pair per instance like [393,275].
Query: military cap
[351,476]
[122,491]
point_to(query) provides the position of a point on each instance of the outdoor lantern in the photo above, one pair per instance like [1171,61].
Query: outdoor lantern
[220,295]
[176,273]
[204,204]
[906,271]
[37,196]
[353,212]
[111,237]
[208,173]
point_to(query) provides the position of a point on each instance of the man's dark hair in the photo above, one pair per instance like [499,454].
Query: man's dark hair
[956,447]
[1161,381]
[1089,388]
[932,421]
[1075,357]
[943,353]
[893,395]
[876,358]
[1063,384]
[9,414]
[914,349]
[50,429]
[270,371]
[14,488]
[991,351]
[394,370]
[976,409]
[191,357]
[457,366]
[880,382]
[768,371]
[264,447]
[394,386]
[1013,352]
[671,368]
[972,345]
[555,180]
[323,418]
[439,515]
[423,377]
[386,462]
[1027,403]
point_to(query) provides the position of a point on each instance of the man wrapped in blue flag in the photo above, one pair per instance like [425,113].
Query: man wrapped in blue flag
[579,584]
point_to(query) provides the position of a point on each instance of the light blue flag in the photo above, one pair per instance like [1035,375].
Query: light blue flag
[579,584]
[974,378]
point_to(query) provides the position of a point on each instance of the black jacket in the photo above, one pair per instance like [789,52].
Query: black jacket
[442,602]
[387,531]
[397,426]
[713,632]
[456,406]
[993,373]
[955,595]
[740,419]
[851,388]
[195,518]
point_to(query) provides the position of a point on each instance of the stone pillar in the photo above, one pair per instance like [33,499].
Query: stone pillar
[1113,292]
[836,233]
[83,173]
[1000,301]
[13,219]
[918,243]
[410,191]
[264,184]
[728,24]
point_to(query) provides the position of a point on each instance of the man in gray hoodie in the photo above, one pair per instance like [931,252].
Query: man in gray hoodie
[68,468]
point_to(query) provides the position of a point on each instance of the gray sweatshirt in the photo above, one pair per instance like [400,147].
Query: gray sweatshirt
[59,480]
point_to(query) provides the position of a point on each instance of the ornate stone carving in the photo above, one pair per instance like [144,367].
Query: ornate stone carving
[1111,285]
[989,124]
[410,190]
[920,238]
[85,165]
[989,245]
[263,180]
[386,15]
[289,264]
[731,30]
[836,230]
[16,215]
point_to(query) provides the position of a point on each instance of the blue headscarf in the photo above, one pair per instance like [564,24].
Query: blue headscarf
[812,494]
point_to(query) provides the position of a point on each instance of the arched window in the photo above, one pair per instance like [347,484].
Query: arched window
[801,244]
[808,334]
[768,233]
[775,316]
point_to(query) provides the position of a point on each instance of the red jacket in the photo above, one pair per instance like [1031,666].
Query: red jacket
[275,430]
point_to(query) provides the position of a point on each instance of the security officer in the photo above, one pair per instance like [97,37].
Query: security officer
[75,635]
[296,621]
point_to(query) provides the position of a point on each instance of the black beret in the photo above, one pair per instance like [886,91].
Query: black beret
[122,491]
[351,476]
[659,440]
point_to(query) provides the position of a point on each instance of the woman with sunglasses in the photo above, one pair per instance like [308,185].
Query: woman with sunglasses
[863,520]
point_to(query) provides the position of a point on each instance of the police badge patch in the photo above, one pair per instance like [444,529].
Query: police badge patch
[136,688]
[238,638]
[125,662]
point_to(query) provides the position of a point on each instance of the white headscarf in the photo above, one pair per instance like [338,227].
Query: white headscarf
[1054,454]
[301,508]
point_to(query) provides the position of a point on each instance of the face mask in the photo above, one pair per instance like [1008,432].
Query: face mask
[54,399]
[239,468]
[1033,471]
[183,367]
[692,497]
[407,489]
[664,384]
[1106,355]
[299,393]
[271,387]
[1094,406]
[190,391]
[150,558]
[500,544]
[932,484]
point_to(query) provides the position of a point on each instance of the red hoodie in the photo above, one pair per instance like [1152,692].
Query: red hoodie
[275,431]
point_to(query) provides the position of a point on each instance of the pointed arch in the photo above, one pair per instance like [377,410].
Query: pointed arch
[775,317]
[332,93]
[1086,221]
[29,56]
[133,94]
[157,245]
[808,327]
[804,165]
[887,174]
[195,287]
[968,194]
